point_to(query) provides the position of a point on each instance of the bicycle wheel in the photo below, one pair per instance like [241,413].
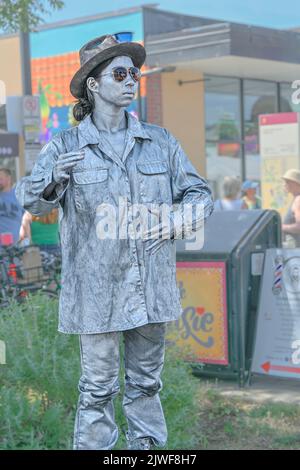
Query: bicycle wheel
[50,293]
[24,293]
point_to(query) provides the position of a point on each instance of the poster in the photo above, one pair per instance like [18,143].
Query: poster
[277,344]
[279,147]
[201,332]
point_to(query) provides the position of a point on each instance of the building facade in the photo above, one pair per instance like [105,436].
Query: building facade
[224,75]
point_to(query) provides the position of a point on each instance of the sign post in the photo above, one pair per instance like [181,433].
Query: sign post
[32,130]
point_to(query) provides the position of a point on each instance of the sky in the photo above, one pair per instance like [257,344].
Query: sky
[269,13]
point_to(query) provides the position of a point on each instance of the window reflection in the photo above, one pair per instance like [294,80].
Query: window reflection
[222,124]
[286,104]
[259,98]
[226,155]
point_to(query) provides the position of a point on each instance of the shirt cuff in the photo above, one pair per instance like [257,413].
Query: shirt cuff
[40,182]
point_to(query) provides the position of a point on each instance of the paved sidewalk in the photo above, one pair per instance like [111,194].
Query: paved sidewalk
[262,389]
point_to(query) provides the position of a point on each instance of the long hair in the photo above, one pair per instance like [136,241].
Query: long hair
[86,104]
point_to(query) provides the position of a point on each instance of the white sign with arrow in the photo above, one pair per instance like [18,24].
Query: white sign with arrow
[277,346]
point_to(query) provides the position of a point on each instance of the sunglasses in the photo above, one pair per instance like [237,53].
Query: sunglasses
[120,73]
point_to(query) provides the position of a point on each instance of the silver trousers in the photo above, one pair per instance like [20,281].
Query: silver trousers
[144,349]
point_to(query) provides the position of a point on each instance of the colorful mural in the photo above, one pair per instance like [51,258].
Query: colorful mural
[50,79]
[52,73]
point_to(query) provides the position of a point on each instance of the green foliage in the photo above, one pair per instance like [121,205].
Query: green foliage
[25,15]
[228,129]
[38,394]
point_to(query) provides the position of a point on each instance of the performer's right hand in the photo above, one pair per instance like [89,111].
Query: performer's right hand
[63,165]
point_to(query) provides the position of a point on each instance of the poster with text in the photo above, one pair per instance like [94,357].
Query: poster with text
[277,345]
[201,332]
[280,149]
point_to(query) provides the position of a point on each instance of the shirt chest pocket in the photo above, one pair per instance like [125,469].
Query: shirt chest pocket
[90,188]
[154,182]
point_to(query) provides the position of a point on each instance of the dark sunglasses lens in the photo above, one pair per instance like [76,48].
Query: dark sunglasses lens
[135,73]
[120,74]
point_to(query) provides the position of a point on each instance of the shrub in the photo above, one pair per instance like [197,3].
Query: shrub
[39,392]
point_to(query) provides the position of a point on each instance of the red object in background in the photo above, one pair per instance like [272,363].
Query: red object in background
[6,239]
[23,293]
[278,118]
[228,149]
[12,272]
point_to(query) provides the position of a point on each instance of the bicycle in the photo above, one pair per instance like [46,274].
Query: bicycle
[17,281]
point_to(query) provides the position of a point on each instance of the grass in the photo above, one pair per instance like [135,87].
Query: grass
[231,423]
[38,394]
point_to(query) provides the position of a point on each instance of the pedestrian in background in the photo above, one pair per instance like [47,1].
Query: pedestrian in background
[291,221]
[11,212]
[250,196]
[231,200]
[42,231]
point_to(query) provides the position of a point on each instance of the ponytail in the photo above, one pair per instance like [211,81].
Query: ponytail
[82,108]
[86,104]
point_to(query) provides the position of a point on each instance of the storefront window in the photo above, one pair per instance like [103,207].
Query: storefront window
[223,124]
[225,154]
[286,101]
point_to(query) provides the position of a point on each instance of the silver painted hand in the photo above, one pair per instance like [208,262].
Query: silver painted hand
[63,165]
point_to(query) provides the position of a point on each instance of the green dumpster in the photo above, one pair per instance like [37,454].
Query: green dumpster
[219,290]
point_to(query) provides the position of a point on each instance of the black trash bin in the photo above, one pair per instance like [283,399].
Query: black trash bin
[219,287]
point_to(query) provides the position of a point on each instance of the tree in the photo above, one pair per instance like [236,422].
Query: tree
[25,15]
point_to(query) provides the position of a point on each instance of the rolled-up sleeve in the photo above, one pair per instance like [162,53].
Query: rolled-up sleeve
[188,188]
[30,189]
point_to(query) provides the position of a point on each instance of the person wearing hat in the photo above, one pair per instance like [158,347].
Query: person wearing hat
[291,221]
[250,198]
[112,283]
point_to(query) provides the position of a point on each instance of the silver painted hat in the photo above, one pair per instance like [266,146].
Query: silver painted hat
[98,50]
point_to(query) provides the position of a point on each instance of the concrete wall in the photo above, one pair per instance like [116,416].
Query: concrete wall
[183,113]
[10,69]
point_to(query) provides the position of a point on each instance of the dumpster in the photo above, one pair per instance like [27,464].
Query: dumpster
[219,290]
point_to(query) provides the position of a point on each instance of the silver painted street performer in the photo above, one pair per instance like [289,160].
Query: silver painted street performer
[112,283]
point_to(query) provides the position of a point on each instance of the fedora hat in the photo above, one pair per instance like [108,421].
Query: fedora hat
[98,50]
[292,175]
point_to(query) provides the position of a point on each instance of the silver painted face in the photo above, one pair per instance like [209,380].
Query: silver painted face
[122,93]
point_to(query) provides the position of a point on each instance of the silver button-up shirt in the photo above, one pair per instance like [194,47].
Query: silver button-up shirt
[112,284]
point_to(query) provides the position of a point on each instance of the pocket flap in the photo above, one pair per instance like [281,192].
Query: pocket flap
[94,175]
[152,168]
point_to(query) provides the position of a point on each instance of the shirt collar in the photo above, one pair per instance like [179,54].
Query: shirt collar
[89,134]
